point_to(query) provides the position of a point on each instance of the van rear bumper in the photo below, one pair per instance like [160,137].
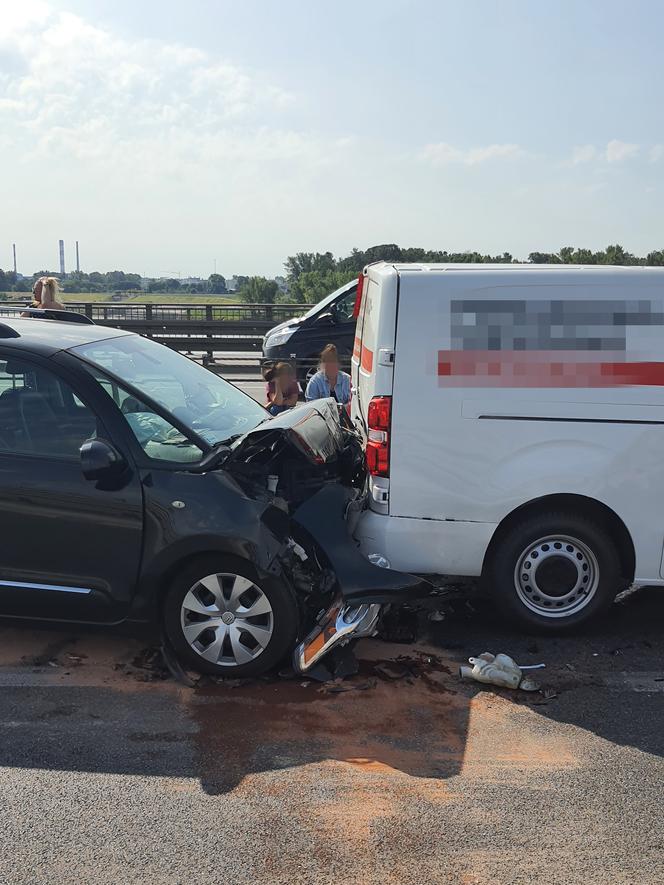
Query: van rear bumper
[425,546]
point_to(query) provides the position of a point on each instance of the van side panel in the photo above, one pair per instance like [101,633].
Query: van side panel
[487,414]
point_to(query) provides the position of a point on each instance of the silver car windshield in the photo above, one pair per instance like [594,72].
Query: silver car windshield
[197,397]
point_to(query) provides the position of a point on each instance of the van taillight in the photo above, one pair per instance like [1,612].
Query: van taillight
[378,435]
[358,296]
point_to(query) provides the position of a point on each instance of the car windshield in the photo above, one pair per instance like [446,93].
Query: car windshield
[326,301]
[197,397]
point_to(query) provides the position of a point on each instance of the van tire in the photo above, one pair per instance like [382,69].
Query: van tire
[273,593]
[553,571]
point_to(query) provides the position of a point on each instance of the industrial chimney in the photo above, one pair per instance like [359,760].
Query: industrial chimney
[14,249]
[78,263]
[62,257]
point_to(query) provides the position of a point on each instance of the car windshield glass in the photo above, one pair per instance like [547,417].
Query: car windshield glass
[199,399]
[326,302]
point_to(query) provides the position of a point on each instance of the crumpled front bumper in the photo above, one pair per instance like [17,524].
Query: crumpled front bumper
[363,588]
[323,517]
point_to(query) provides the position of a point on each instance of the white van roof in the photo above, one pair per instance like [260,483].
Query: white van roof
[605,269]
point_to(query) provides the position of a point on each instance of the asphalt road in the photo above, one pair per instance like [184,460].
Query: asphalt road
[255,389]
[111,774]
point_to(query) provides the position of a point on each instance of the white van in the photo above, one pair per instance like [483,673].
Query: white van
[514,419]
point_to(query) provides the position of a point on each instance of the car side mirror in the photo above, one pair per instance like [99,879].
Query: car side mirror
[100,460]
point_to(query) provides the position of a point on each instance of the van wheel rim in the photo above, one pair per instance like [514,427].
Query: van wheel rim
[227,619]
[556,576]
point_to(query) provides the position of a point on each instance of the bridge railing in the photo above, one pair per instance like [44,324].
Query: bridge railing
[193,328]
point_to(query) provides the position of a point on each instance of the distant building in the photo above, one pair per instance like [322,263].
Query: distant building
[281,282]
[191,281]
[232,284]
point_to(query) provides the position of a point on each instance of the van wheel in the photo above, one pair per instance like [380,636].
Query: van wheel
[554,571]
[223,618]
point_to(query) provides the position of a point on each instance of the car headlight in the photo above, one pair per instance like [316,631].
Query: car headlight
[278,338]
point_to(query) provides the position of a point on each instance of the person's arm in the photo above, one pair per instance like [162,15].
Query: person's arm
[276,396]
[312,389]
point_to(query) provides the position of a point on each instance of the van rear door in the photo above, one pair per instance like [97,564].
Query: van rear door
[373,368]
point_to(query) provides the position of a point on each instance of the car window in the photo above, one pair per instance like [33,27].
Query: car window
[40,414]
[345,307]
[327,301]
[158,438]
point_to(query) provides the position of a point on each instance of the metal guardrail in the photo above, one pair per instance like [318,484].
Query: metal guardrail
[200,328]
[113,312]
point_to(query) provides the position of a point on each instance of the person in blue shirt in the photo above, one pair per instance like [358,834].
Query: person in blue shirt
[329,380]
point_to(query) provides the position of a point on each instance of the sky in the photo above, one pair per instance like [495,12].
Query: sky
[176,138]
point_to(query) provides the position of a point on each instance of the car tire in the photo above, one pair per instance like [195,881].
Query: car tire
[553,572]
[208,618]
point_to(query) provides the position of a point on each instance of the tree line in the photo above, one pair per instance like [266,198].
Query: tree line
[313,275]
[113,281]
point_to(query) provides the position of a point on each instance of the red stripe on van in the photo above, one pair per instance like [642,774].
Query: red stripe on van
[367,359]
[357,347]
[544,368]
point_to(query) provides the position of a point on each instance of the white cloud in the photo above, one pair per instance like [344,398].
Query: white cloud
[617,151]
[98,97]
[443,154]
[584,154]
[656,153]
[81,72]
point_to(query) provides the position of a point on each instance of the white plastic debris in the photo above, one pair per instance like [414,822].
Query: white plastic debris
[498,670]
[299,551]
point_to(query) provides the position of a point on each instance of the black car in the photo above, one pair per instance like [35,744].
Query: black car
[300,340]
[136,484]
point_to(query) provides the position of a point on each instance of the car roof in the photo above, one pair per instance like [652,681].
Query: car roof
[47,337]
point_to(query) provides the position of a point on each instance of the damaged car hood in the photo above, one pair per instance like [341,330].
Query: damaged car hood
[314,429]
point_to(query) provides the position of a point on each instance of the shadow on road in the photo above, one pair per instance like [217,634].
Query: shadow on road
[608,677]
[413,725]
[71,701]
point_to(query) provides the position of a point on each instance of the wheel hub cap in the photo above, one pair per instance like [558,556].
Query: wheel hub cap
[227,619]
[556,576]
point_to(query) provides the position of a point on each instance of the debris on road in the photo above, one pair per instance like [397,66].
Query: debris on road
[147,666]
[392,670]
[498,670]
[175,668]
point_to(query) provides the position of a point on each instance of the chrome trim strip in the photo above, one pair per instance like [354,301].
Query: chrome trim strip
[26,586]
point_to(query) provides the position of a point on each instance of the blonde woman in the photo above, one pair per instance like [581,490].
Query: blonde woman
[36,292]
[36,295]
[49,295]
